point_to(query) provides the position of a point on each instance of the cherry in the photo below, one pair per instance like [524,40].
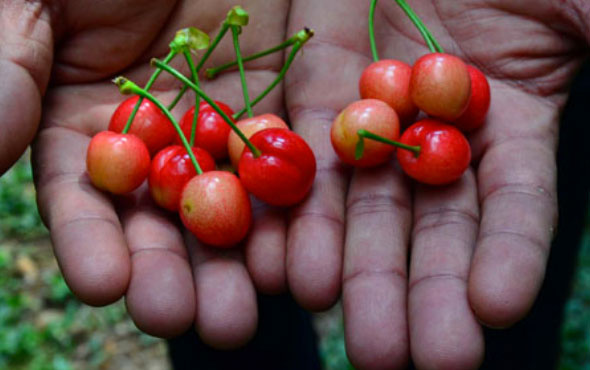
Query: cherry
[389,80]
[212,130]
[215,207]
[249,127]
[283,174]
[369,114]
[149,124]
[440,85]
[171,169]
[118,163]
[475,114]
[443,156]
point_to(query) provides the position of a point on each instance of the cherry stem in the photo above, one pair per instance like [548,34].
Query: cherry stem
[372,30]
[364,134]
[126,86]
[235,33]
[195,77]
[301,36]
[158,63]
[177,98]
[433,45]
[298,45]
[148,85]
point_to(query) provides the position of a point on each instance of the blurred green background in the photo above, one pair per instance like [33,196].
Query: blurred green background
[42,326]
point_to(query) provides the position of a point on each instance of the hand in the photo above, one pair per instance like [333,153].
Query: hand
[109,247]
[478,247]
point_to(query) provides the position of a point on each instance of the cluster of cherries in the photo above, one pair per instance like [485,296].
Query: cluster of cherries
[144,141]
[434,150]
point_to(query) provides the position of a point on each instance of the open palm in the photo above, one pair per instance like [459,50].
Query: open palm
[477,248]
[109,247]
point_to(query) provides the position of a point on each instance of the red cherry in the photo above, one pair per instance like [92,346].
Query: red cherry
[116,162]
[389,80]
[249,127]
[284,173]
[212,130]
[440,85]
[149,124]
[444,152]
[475,114]
[171,169]
[369,114]
[215,207]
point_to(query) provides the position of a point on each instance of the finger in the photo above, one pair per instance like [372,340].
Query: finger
[375,274]
[161,294]
[518,196]
[226,314]
[85,230]
[25,63]
[265,250]
[444,333]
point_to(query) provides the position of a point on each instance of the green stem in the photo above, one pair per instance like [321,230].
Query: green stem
[222,31]
[280,76]
[235,33]
[369,135]
[127,86]
[195,77]
[158,63]
[433,45]
[372,30]
[149,84]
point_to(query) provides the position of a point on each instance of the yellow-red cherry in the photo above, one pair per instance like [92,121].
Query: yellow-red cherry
[216,208]
[149,124]
[389,80]
[117,163]
[444,152]
[372,115]
[171,169]
[440,85]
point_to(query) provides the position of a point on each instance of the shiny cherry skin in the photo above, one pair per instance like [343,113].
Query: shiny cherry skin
[117,163]
[283,175]
[216,208]
[171,169]
[149,124]
[444,152]
[250,126]
[440,85]
[212,130]
[372,115]
[477,109]
[389,80]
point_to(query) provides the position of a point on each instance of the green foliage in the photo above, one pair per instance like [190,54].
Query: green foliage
[19,217]
[575,331]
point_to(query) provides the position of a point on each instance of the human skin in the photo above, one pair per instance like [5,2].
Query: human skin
[479,247]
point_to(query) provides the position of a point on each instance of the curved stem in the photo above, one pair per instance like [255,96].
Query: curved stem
[128,86]
[364,134]
[255,151]
[372,30]
[148,85]
[235,33]
[433,45]
[278,79]
[195,77]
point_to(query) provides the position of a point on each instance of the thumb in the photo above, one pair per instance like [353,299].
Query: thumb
[26,53]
